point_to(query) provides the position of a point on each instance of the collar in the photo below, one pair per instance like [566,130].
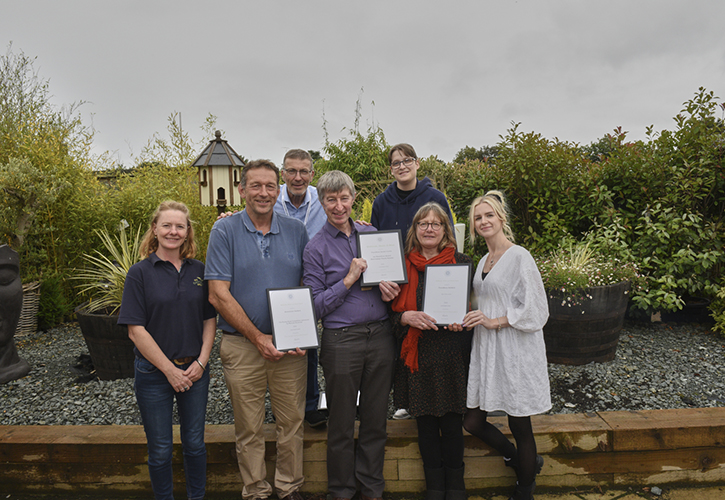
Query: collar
[155,259]
[284,195]
[334,232]
[249,225]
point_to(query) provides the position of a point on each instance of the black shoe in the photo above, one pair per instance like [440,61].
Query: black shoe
[315,419]
[455,484]
[523,493]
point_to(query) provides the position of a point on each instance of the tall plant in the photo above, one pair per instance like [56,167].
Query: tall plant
[362,156]
[105,274]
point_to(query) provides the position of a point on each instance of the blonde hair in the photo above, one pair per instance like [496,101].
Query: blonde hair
[497,202]
[149,243]
[411,240]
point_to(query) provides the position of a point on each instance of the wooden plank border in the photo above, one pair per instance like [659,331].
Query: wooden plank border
[581,450]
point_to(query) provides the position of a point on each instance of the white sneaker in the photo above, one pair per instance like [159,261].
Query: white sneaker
[401,414]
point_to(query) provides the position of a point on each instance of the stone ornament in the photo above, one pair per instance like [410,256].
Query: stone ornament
[12,366]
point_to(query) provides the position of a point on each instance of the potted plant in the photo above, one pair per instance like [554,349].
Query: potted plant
[588,294]
[110,348]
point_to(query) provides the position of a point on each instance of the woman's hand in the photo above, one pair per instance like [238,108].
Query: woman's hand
[455,327]
[475,318]
[419,320]
[194,372]
[179,380]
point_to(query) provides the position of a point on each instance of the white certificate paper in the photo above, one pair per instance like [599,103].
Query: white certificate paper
[447,290]
[383,251]
[293,318]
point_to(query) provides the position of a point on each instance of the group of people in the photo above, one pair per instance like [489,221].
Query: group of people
[448,377]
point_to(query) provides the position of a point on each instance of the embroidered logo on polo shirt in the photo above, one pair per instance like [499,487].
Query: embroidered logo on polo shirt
[199,281]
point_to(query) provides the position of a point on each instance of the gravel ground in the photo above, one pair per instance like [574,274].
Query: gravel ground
[658,366]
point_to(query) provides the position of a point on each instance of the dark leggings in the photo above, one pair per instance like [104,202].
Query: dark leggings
[475,423]
[440,440]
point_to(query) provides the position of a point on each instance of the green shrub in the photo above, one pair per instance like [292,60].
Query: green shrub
[718,309]
[53,307]
[681,252]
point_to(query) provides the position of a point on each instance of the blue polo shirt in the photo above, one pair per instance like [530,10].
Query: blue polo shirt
[254,262]
[172,305]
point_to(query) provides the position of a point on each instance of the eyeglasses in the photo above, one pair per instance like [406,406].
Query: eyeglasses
[435,226]
[293,173]
[405,161]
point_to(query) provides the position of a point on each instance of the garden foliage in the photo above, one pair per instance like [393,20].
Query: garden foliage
[658,203]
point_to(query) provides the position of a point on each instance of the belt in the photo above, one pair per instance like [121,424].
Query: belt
[184,361]
[368,325]
[237,334]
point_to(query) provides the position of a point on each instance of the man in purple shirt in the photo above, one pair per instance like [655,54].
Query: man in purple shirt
[358,350]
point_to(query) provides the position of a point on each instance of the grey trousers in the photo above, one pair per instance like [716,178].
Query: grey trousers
[357,358]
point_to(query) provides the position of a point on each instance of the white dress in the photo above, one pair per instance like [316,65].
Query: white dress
[508,368]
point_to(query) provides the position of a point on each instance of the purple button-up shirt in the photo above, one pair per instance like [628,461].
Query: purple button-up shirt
[326,261]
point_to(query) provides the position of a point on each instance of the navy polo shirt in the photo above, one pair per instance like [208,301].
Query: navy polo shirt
[172,305]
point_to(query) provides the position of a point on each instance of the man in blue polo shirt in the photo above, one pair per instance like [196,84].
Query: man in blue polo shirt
[299,200]
[249,252]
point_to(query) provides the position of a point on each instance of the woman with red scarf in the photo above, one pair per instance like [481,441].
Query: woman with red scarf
[432,372]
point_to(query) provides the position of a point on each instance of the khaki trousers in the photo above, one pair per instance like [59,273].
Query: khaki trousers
[248,376]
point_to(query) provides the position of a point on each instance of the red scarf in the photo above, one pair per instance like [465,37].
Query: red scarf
[406,300]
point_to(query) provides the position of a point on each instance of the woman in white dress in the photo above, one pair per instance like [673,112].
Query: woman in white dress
[508,368]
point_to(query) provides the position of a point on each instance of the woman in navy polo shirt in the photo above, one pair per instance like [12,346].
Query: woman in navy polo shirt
[170,321]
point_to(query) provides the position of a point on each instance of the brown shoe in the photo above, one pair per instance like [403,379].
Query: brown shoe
[295,495]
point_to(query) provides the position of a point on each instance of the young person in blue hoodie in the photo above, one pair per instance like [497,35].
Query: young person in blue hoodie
[395,207]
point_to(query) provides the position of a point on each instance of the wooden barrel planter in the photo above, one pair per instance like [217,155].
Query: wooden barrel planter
[108,344]
[588,332]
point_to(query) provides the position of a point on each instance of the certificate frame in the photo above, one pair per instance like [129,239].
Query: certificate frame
[447,292]
[383,251]
[292,314]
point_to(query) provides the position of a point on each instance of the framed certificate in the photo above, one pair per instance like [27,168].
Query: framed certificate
[447,290]
[383,251]
[292,312]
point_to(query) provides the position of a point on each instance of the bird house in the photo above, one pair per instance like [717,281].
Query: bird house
[220,169]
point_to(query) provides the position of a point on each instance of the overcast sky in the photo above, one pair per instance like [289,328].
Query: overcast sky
[442,75]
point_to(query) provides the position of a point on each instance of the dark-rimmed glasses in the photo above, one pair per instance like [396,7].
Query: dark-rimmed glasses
[405,161]
[435,226]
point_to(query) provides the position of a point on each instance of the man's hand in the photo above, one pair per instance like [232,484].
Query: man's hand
[388,290]
[266,348]
[225,214]
[357,267]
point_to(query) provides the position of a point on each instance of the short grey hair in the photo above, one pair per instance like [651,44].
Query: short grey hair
[334,181]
